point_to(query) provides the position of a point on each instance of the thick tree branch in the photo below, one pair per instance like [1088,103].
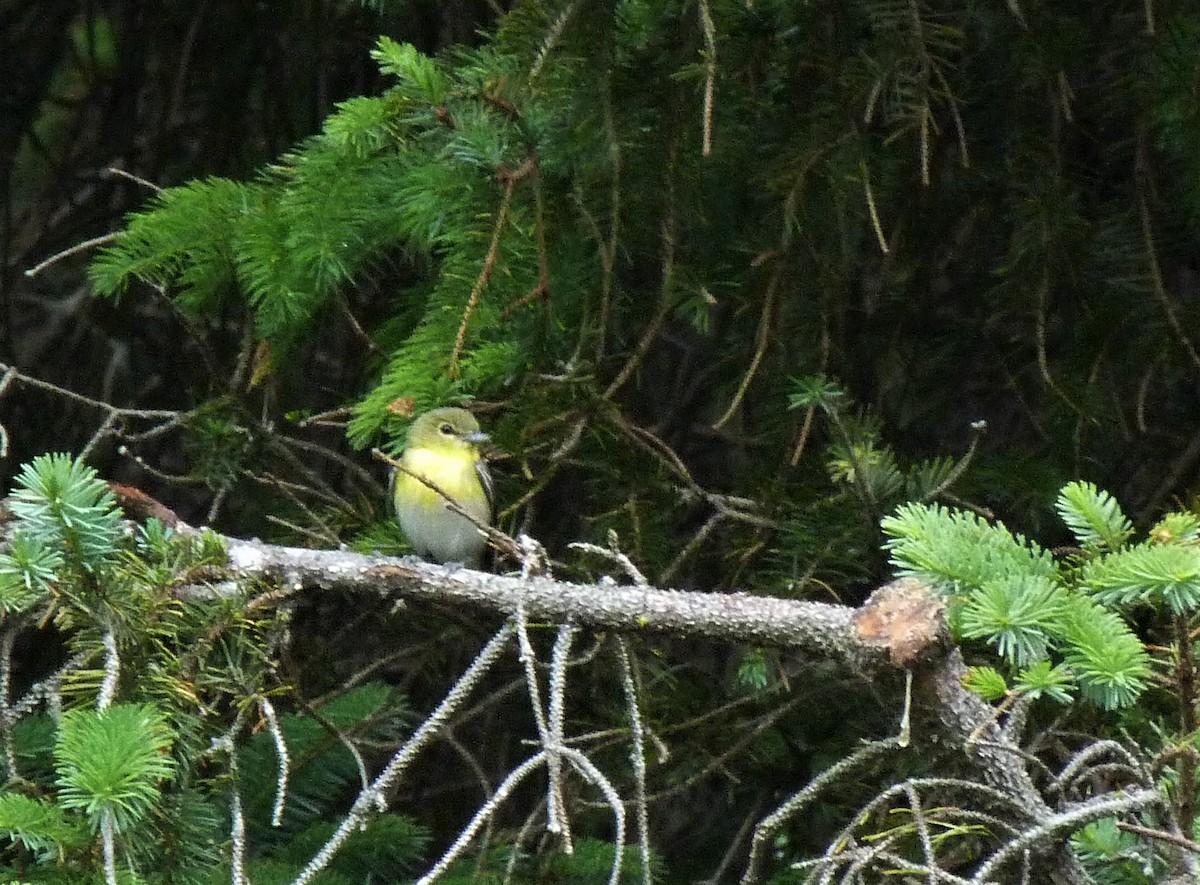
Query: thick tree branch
[901,627]
[819,629]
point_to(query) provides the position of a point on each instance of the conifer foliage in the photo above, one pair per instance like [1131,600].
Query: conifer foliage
[734,283]
[641,218]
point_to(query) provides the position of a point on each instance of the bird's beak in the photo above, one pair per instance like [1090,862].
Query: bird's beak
[477,437]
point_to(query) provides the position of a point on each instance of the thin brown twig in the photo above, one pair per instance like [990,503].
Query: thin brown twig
[710,74]
[316,480]
[1160,835]
[1160,289]
[330,418]
[802,440]
[352,467]
[762,339]
[542,289]
[13,374]
[724,506]
[876,224]
[608,248]
[1043,361]
[748,736]
[763,335]
[557,457]
[693,544]
[963,154]
[355,325]
[537,293]
[659,449]
[316,536]
[136,179]
[664,304]
[71,250]
[485,273]
[291,491]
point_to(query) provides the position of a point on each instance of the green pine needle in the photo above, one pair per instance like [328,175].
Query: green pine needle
[111,762]
[27,570]
[987,682]
[1148,574]
[1016,615]
[1109,661]
[1044,679]
[64,505]
[39,826]
[1094,516]
[958,551]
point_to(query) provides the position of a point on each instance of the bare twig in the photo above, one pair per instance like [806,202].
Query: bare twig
[485,273]
[73,250]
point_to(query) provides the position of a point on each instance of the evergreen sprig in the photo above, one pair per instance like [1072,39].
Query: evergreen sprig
[1046,679]
[1093,516]
[1008,592]
[63,505]
[28,568]
[1109,661]
[39,825]
[1147,574]
[959,551]
[1017,615]
[1177,527]
[987,682]
[111,762]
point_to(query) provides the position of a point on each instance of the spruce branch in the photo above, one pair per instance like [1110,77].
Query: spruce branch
[872,209]
[485,273]
[763,335]
[637,756]
[83,246]
[710,74]
[867,643]
[368,799]
[283,758]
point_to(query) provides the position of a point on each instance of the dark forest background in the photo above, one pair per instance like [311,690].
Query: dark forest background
[727,282]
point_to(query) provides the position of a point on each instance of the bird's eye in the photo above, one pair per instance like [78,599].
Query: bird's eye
[447,429]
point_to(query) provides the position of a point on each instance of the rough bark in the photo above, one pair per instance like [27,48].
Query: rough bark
[900,627]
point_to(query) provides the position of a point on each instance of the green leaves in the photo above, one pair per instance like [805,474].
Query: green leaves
[111,762]
[41,827]
[1108,659]
[182,240]
[1147,575]
[27,569]
[1017,615]
[959,551]
[1094,517]
[1046,680]
[64,505]
[1009,593]
[417,74]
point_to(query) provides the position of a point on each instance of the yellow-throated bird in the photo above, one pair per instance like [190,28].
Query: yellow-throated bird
[443,446]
